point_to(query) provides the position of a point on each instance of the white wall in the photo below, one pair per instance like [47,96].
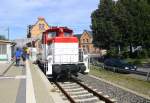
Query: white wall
[9,52]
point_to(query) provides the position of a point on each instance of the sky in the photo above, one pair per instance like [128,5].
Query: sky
[18,14]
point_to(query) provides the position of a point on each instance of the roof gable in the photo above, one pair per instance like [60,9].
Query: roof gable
[35,29]
[40,20]
[88,33]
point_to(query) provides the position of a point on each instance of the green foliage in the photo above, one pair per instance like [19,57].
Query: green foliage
[112,53]
[136,62]
[142,54]
[102,19]
[124,23]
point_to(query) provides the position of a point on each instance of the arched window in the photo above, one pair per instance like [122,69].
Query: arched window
[41,26]
[83,40]
[87,40]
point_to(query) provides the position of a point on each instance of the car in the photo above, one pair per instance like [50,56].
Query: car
[119,65]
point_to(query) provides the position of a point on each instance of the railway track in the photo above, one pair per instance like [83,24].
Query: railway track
[78,92]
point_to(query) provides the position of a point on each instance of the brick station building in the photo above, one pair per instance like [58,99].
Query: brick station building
[38,28]
[85,42]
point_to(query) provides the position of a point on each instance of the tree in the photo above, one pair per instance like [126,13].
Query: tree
[2,37]
[126,23]
[104,30]
[137,26]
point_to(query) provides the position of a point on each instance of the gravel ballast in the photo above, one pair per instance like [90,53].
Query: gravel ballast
[121,95]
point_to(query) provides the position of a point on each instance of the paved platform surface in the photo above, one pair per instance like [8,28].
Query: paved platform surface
[24,84]
[3,67]
[11,83]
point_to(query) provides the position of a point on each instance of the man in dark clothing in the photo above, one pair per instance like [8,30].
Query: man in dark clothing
[24,56]
[17,56]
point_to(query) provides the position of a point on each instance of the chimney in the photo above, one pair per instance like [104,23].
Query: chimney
[40,18]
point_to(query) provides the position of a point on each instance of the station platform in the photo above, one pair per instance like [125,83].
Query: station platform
[25,84]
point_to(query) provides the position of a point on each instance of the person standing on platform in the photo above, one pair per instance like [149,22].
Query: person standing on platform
[17,56]
[24,56]
[27,50]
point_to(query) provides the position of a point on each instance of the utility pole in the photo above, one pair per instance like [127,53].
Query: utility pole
[8,32]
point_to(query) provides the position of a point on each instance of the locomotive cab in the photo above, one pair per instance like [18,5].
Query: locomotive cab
[62,54]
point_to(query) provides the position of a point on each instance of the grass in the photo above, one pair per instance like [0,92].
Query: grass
[124,80]
[138,61]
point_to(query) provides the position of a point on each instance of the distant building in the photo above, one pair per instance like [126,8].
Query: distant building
[23,42]
[34,32]
[6,50]
[85,42]
[38,28]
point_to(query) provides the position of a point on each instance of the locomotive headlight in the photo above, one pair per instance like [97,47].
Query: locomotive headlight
[126,68]
[85,59]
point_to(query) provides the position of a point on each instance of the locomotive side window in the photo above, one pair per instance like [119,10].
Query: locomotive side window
[51,34]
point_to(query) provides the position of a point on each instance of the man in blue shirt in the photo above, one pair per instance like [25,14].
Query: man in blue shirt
[17,56]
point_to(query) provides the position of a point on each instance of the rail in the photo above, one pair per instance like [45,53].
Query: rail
[65,93]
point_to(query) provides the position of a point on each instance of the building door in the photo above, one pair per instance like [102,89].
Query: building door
[3,52]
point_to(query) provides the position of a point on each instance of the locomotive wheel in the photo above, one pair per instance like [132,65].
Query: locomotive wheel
[54,76]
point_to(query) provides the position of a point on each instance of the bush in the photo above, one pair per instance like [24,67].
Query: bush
[125,55]
[142,54]
[137,62]
[112,53]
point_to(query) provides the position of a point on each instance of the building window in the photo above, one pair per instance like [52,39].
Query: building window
[83,40]
[87,40]
[83,46]
[3,49]
[87,48]
[41,26]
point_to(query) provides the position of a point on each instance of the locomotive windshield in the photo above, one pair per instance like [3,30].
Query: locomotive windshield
[67,34]
[51,34]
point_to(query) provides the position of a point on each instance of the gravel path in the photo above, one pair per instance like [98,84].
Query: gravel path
[121,95]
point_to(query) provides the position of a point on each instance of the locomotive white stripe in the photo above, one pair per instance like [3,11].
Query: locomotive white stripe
[66,53]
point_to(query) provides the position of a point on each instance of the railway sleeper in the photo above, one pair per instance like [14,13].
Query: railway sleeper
[78,99]
[71,87]
[100,102]
[71,84]
[82,95]
[75,89]
[90,100]
[78,92]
